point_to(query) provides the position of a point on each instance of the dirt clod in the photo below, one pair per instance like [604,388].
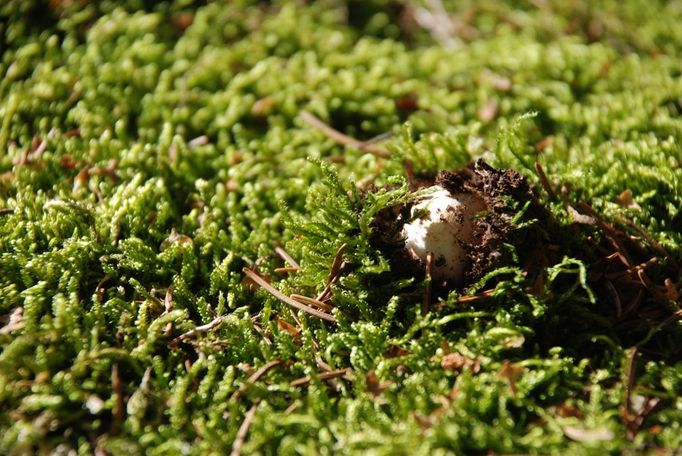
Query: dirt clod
[500,193]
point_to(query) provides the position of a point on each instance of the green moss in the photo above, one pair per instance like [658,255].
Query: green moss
[149,151]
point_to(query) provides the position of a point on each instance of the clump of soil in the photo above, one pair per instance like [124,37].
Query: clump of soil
[498,195]
[633,276]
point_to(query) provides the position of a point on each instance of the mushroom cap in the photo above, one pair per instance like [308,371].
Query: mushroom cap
[445,229]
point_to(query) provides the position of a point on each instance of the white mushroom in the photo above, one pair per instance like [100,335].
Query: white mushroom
[444,228]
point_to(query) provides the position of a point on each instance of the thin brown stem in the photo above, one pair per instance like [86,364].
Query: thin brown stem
[286,257]
[312,302]
[341,138]
[192,333]
[322,376]
[117,390]
[544,181]
[253,378]
[287,300]
[244,430]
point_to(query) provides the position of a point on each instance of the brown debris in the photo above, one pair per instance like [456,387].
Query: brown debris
[262,107]
[510,372]
[341,138]
[288,327]
[287,258]
[311,302]
[457,362]
[336,269]
[624,199]
[287,300]
[408,102]
[254,377]
[565,410]
[395,352]
[544,181]
[193,333]
[182,21]
[303,381]
[488,111]
[374,386]
[15,323]
[117,391]
[244,430]
[633,414]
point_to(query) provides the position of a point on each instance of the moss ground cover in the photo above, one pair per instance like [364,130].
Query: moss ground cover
[151,152]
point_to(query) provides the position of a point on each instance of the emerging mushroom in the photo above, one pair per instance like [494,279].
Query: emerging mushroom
[443,223]
[462,219]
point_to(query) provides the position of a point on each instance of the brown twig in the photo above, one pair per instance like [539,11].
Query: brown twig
[336,264]
[632,418]
[287,258]
[253,378]
[611,234]
[653,242]
[337,267]
[544,181]
[117,390]
[630,381]
[287,300]
[198,330]
[243,430]
[322,376]
[341,138]
[311,301]
[476,297]
[292,407]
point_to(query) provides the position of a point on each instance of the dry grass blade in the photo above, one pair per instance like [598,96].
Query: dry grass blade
[253,378]
[653,242]
[244,430]
[342,138]
[117,390]
[198,330]
[544,181]
[311,302]
[287,300]
[632,354]
[322,376]
[287,258]
[476,297]
[337,266]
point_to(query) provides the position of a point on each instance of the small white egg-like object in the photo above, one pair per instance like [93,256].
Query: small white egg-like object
[444,229]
